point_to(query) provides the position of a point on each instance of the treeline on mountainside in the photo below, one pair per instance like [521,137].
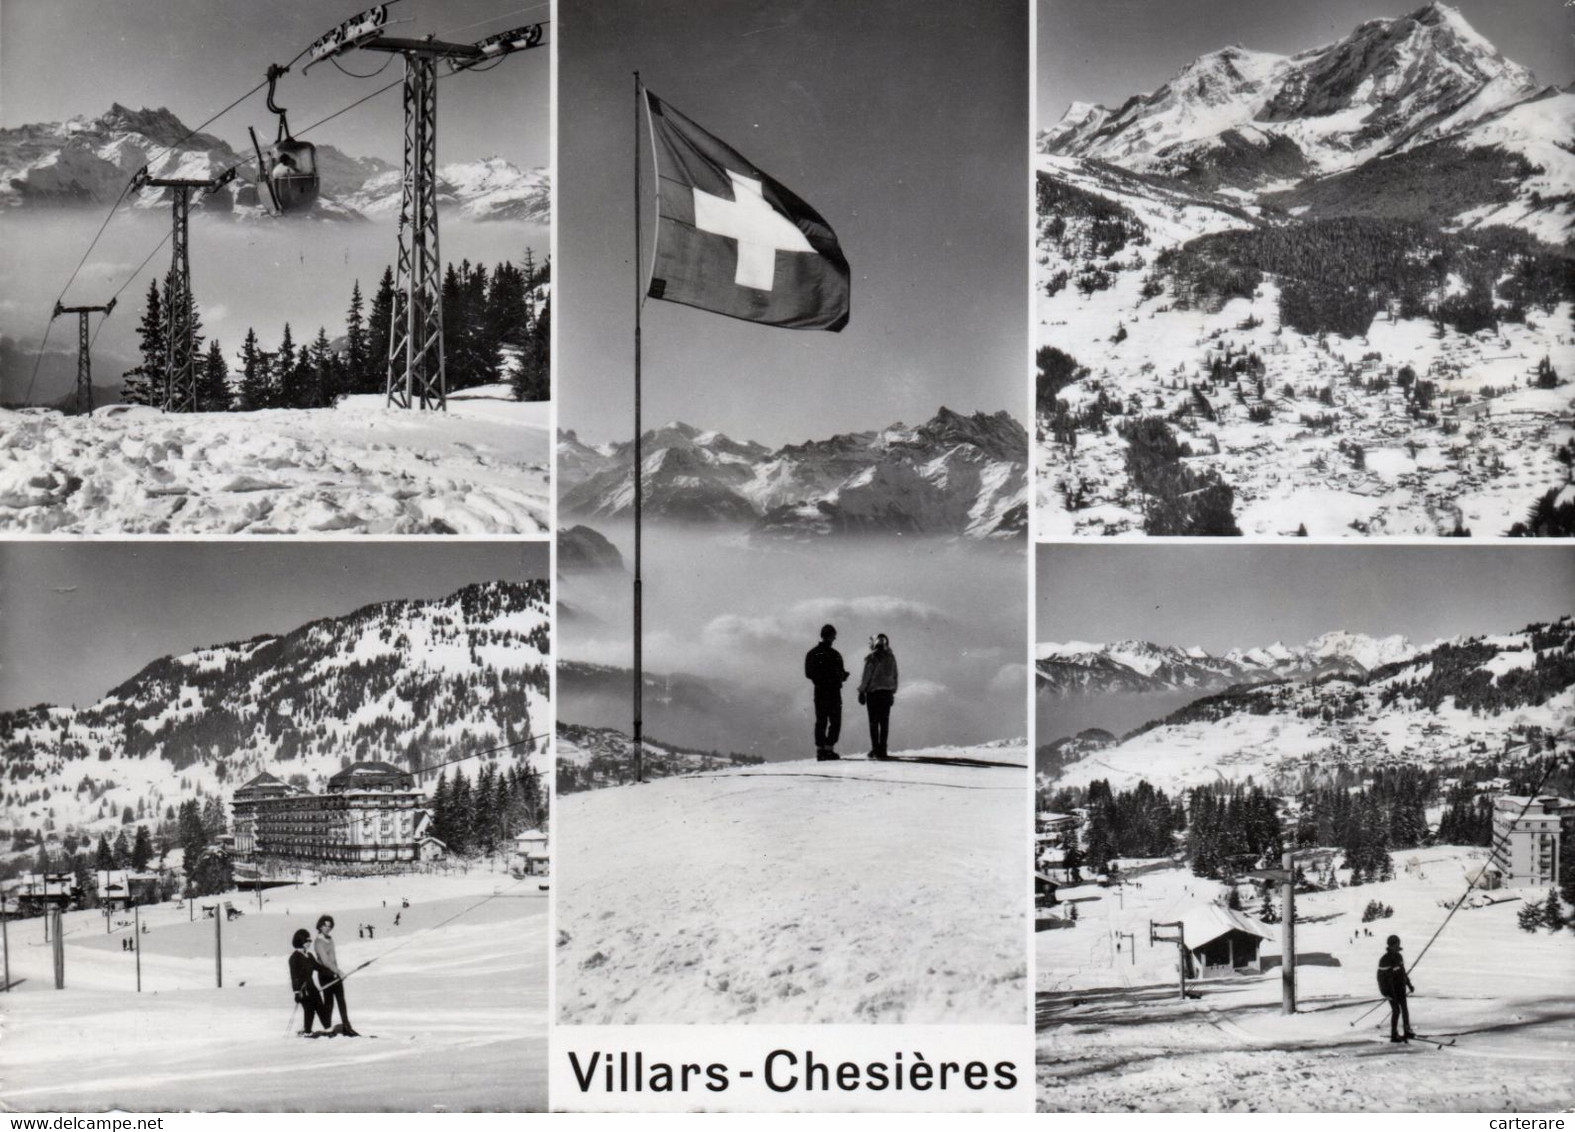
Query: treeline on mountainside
[1177,499]
[496,328]
[195,829]
[1452,670]
[481,817]
[608,767]
[271,700]
[1336,275]
[1085,228]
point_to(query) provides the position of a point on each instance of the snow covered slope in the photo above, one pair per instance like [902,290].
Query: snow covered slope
[1140,666]
[1443,705]
[359,467]
[89,161]
[798,892]
[431,678]
[1334,379]
[1114,1035]
[455,1018]
[954,474]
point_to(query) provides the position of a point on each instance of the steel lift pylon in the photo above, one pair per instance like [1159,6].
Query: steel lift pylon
[84,403]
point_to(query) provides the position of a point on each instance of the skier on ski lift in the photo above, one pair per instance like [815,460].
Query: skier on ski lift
[1395,984]
[334,987]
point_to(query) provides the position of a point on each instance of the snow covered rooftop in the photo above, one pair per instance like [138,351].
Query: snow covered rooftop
[1208,922]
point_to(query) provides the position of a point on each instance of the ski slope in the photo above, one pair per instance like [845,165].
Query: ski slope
[798,892]
[1113,1034]
[455,1012]
[360,467]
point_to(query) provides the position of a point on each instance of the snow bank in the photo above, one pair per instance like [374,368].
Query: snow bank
[836,892]
[481,467]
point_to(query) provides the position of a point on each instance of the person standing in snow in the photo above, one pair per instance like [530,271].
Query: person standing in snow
[334,986]
[1394,984]
[824,669]
[877,692]
[304,970]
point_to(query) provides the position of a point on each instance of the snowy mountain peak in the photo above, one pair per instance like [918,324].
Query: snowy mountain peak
[1388,85]
[954,474]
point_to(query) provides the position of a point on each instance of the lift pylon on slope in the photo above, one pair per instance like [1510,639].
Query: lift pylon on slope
[84,354]
[180,370]
[416,370]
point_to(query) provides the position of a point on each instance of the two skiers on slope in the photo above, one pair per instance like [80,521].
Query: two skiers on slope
[1394,983]
[317,980]
[824,669]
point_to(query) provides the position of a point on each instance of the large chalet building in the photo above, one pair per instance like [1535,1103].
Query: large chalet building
[370,817]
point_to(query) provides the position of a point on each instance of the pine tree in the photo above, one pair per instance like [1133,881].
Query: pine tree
[1552,913]
[286,378]
[143,384]
[105,858]
[213,381]
[360,377]
[256,389]
[122,850]
[142,849]
[378,329]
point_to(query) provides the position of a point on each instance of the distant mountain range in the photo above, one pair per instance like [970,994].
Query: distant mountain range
[1077,667]
[1504,695]
[408,682]
[952,475]
[1422,95]
[89,161]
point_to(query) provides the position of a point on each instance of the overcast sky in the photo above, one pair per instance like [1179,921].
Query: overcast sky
[60,58]
[78,618]
[1107,50]
[1240,595]
[904,124]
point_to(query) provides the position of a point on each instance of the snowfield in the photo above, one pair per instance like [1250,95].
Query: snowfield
[1113,1034]
[799,892]
[455,1013]
[361,467]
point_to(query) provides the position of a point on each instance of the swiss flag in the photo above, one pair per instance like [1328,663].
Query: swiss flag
[730,239]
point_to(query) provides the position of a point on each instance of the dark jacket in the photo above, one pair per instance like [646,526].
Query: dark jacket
[302,964]
[880,672]
[1393,982]
[823,666]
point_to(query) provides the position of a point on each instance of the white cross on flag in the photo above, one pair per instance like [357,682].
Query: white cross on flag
[732,240]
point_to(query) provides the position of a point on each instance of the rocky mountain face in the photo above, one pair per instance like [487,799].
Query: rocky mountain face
[1505,694]
[89,161]
[952,475]
[1140,666]
[408,682]
[1252,121]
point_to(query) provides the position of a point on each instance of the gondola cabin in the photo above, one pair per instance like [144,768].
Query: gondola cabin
[292,175]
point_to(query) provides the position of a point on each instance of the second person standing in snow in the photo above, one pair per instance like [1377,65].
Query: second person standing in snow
[877,692]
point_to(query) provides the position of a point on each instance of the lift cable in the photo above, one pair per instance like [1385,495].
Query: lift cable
[446,32]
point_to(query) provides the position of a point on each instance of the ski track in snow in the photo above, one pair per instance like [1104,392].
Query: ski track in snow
[797,892]
[481,467]
[459,1012]
[1114,1036]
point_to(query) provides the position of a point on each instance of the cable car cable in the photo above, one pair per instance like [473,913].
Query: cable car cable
[446,32]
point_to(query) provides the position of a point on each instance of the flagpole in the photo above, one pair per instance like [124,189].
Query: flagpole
[639,297]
